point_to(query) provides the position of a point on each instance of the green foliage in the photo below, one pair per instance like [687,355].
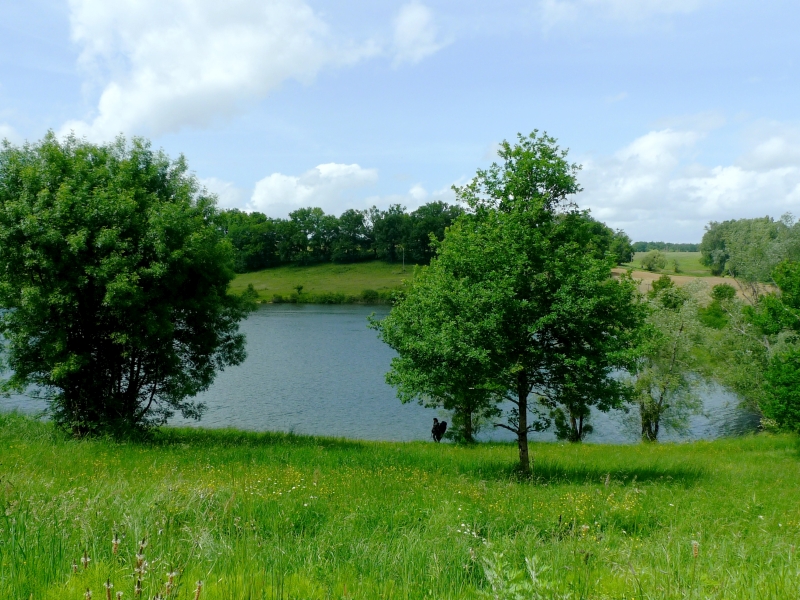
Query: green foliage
[654,261]
[750,249]
[309,236]
[782,382]
[114,283]
[518,301]
[662,382]
[665,247]
[659,285]
[723,292]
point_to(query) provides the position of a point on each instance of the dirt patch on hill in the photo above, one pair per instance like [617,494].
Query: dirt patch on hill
[646,280]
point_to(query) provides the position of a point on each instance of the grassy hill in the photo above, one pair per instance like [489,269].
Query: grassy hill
[688,263]
[281,516]
[349,280]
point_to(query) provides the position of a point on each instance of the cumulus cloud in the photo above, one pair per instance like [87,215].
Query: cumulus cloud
[557,11]
[330,186]
[228,194]
[168,65]
[655,188]
[415,34]
[7,132]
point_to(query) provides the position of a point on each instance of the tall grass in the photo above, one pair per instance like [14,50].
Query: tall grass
[228,514]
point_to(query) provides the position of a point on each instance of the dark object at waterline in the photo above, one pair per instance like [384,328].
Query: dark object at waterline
[438,430]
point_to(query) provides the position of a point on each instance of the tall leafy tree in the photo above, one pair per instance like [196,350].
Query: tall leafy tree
[113,281]
[528,308]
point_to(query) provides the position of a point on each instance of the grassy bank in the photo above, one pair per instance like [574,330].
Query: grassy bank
[280,516]
[688,263]
[372,281]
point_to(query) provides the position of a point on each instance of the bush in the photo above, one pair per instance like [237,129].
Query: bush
[654,261]
[370,296]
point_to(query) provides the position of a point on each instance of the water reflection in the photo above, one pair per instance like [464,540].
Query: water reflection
[318,370]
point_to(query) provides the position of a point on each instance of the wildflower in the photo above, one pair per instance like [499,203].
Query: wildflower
[88,594]
[695,549]
[85,560]
[608,479]
[108,585]
[198,590]
[74,567]
[137,591]
[119,595]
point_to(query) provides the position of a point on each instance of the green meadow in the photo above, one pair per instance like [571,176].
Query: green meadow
[688,263]
[281,516]
[349,281]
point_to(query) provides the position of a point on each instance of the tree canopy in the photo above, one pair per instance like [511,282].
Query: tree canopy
[113,283]
[518,300]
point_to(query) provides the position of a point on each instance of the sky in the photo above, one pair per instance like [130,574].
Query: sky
[681,112]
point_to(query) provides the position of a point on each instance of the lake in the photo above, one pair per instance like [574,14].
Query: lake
[318,369]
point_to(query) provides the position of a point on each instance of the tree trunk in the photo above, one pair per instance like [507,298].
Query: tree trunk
[468,427]
[522,426]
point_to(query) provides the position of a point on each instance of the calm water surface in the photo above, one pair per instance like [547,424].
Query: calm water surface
[318,370]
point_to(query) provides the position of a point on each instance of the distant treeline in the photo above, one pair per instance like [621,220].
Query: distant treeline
[665,247]
[310,236]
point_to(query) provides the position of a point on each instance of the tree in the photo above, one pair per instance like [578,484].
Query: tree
[428,220]
[390,229]
[621,247]
[756,352]
[515,299]
[654,261]
[113,282]
[662,386]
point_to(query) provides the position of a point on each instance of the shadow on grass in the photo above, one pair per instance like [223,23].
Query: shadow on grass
[546,472]
[229,438]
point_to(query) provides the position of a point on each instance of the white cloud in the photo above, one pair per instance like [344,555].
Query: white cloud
[228,194]
[558,11]
[7,132]
[654,188]
[165,65]
[329,186]
[415,34]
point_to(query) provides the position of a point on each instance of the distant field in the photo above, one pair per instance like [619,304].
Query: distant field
[349,279]
[688,263]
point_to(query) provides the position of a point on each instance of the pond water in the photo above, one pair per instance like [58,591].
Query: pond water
[319,370]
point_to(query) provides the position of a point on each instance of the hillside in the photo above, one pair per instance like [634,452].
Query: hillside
[351,280]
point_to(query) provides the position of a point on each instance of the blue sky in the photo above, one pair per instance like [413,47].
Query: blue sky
[681,111]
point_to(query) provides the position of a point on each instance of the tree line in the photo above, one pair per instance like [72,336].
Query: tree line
[664,247]
[309,236]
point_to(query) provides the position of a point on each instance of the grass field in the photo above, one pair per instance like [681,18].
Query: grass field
[688,263]
[350,279]
[280,516]
[337,283]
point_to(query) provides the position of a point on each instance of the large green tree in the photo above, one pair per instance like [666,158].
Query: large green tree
[519,300]
[113,283]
